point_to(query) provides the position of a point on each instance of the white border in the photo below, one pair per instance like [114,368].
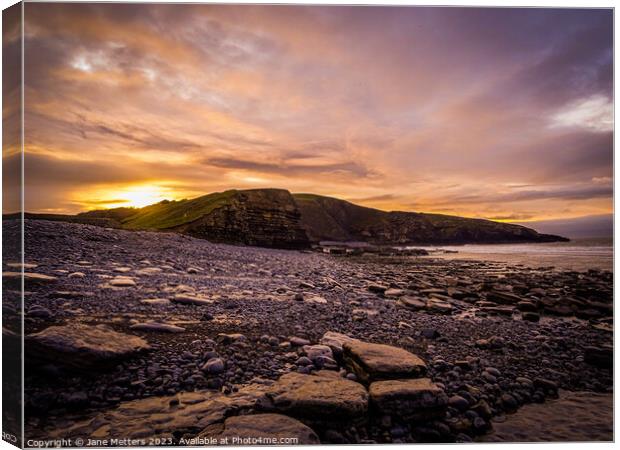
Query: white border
[480,3]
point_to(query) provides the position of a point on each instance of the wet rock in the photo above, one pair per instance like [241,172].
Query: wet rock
[82,346]
[373,362]
[415,399]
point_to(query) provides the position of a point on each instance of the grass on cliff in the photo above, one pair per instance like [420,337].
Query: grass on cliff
[169,214]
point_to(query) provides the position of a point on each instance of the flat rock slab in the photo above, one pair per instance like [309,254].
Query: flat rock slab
[317,398]
[83,346]
[414,303]
[24,265]
[185,413]
[415,399]
[29,277]
[374,362]
[157,327]
[439,306]
[122,282]
[156,301]
[265,429]
[186,299]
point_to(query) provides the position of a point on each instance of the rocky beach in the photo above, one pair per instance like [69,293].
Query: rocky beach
[141,335]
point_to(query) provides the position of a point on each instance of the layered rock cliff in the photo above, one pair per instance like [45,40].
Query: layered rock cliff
[263,218]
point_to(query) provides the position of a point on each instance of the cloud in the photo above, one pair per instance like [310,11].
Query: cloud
[594,113]
[400,108]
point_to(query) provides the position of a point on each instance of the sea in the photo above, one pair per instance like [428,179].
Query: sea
[578,254]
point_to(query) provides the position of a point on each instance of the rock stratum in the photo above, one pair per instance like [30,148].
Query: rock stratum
[278,219]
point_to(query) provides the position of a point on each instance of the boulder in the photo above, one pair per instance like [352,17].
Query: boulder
[317,398]
[373,362]
[413,399]
[82,346]
[265,429]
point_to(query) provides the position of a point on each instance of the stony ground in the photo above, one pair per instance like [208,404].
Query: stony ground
[218,317]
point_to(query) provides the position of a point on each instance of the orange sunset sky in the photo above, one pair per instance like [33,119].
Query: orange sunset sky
[503,114]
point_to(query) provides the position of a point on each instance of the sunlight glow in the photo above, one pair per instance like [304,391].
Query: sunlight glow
[135,196]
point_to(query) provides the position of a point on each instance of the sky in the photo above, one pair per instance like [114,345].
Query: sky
[504,114]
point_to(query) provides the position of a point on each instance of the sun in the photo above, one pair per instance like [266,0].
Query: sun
[134,196]
[140,196]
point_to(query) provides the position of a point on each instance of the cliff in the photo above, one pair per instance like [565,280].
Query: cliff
[327,218]
[276,218]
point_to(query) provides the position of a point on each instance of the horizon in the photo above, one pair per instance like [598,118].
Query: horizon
[505,115]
